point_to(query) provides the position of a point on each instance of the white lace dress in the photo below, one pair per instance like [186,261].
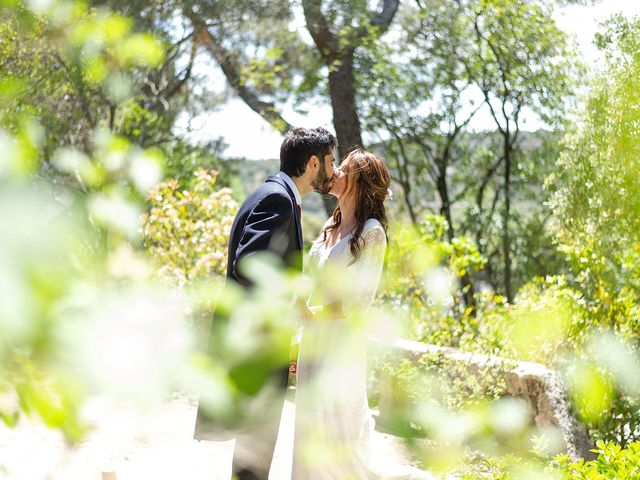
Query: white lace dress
[333,421]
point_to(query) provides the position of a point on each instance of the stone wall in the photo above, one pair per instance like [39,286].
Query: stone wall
[540,386]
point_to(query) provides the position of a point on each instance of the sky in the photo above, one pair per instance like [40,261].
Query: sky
[248,135]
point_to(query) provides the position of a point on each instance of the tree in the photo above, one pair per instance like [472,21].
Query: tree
[596,201]
[419,112]
[265,63]
[453,62]
[519,60]
[74,99]
[419,118]
[337,33]
[338,29]
[596,192]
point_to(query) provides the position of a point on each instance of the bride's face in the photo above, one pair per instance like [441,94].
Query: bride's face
[340,185]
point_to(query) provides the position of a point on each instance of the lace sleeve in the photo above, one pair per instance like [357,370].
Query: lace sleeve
[368,267]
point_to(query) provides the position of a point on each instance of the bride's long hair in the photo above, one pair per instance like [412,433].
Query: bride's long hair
[371,180]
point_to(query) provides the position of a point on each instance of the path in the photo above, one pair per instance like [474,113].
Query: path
[154,445]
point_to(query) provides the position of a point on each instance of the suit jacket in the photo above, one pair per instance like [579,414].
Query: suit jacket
[268,220]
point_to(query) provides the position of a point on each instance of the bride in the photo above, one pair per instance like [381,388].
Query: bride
[333,422]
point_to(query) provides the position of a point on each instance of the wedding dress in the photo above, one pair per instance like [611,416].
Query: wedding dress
[334,425]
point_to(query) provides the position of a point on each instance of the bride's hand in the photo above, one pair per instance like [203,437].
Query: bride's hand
[306,315]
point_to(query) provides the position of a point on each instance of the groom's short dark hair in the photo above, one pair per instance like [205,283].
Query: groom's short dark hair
[300,144]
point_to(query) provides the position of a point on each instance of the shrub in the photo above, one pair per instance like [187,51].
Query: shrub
[187,231]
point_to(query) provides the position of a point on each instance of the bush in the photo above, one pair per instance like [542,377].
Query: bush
[186,231]
[612,462]
[423,272]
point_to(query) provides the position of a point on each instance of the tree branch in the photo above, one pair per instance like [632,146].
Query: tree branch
[328,41]
[229,64]
[485,181]
[485,90]
[324,38]
[459,196]
[187,71]
[384,18]
[426,151]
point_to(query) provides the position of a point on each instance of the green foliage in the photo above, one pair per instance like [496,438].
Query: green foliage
[597,193]
[403,383]
[454,62]
[79,96]
[55,261]
[82,311]
[186,231]
[562,316]
[184,159]
[55,77]
[596,201]
[612,462]
[422,272]
[84,69]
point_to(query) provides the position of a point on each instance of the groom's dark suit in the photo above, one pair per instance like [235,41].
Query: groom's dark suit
[268,220]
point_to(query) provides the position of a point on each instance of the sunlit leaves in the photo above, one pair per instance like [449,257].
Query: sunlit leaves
[186,231]
[115,212]
[104,37]
[141,49]
[19,155]
[596,192]
[57,238]
[249,340]
[52,395]
[597,201]
[132,345]
[77,163]
[612,462]
[75,69]
[114,160]
[540,322]
[37,242]
[10,88]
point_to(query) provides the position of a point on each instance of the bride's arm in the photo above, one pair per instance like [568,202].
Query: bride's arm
[368,268]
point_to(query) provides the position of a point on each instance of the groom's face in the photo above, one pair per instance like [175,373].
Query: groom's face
[326,175]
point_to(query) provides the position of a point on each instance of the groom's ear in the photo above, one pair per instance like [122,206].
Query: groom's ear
[313,162]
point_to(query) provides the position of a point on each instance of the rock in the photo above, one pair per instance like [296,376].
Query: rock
[540,386]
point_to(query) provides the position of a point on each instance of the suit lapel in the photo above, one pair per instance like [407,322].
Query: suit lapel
[283,184]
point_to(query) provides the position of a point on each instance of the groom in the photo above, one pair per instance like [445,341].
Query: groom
[269,220]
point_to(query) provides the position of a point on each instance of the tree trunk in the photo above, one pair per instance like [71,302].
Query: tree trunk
[345,116]
[407,201]
[337,53]
[445,206]
[343,102]
[445,211]
[506,239]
